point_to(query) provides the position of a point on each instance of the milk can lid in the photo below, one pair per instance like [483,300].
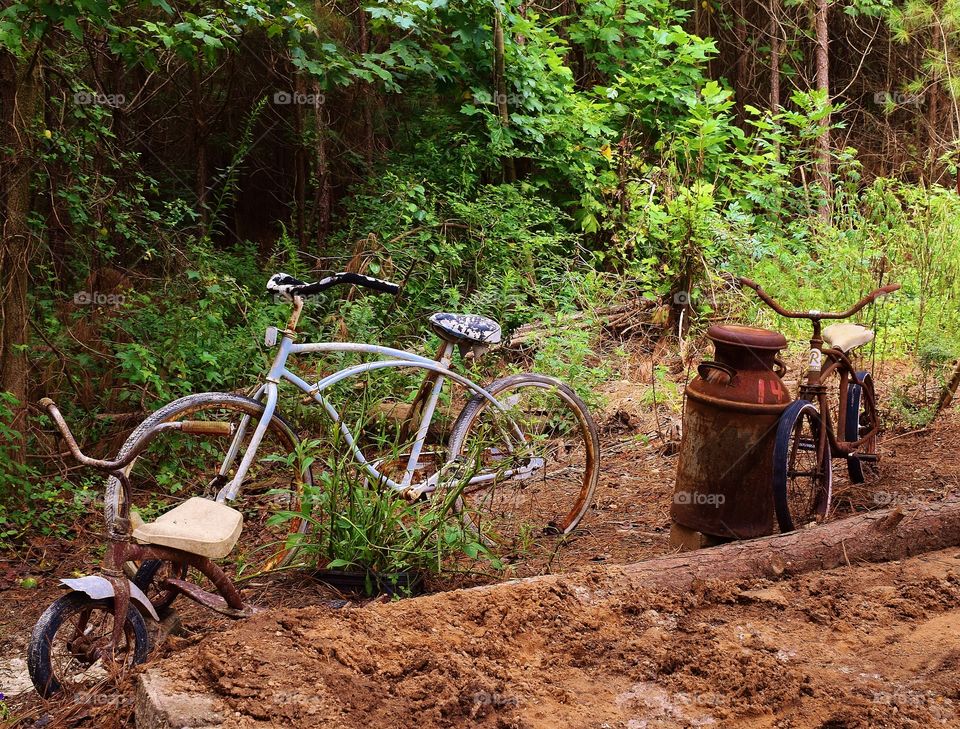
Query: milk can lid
[751,337]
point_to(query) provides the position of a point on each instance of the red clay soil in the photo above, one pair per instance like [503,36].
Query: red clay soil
[866,646]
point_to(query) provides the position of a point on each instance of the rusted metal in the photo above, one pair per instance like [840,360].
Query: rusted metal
[211,570]
[209,599]
[731,410]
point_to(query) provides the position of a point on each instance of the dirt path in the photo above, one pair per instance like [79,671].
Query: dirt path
[868,646]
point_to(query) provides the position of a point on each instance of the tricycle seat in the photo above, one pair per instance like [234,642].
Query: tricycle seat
[198,526]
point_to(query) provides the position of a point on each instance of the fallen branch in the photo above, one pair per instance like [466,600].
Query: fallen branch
[949,390]
[620,316]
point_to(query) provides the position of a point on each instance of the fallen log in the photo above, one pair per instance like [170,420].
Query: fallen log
[879,536]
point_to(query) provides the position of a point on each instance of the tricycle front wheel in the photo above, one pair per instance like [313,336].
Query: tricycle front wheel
[70,644]
[802,470]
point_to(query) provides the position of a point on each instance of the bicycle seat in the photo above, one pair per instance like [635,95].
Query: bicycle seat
[198,526]
[458,328]
[847,337]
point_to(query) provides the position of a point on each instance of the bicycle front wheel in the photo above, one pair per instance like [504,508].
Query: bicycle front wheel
[528,469]
[178,465]
[802,469]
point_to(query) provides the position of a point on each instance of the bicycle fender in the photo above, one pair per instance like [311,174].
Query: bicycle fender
[100,588]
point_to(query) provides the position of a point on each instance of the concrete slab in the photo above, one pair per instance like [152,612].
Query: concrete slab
[160,706]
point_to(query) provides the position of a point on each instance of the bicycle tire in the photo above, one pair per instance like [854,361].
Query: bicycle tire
[856,402]
[568,507]
[161,598]
[796,504]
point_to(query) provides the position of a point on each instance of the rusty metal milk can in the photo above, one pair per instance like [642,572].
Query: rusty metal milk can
[725,465]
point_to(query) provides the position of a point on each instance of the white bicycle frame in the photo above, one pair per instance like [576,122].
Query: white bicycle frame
[267,393]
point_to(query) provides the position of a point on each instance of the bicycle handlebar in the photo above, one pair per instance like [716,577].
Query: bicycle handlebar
[283,284]
[196,427]
[813,314]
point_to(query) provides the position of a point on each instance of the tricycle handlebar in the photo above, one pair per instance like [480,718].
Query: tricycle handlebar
[198,427]
[813,314]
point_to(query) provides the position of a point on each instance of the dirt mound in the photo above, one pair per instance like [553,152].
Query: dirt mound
[872,646]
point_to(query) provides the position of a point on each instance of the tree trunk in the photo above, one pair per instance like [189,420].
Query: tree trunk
[742,57]
[201,173]
[775,62]
[366,89]
[879,536]
[300,160]
[500,87]
[19,102]
[822,58]
[320,222]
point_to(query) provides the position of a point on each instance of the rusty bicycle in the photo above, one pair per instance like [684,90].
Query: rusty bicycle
[834,415]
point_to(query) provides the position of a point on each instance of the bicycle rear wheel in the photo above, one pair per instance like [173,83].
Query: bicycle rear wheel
[527,471]
[177,466]
[861,419]
[802,469]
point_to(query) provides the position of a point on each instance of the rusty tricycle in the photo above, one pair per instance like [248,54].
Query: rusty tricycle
[98,628]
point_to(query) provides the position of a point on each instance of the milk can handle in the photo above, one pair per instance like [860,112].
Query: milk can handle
[709,371]
[779,367]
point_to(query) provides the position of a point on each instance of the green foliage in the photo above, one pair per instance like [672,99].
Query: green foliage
[359,525]
[31,504]
[496,250]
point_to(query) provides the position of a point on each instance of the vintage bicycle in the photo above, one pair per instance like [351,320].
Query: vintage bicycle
[834,415]
[523,452]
